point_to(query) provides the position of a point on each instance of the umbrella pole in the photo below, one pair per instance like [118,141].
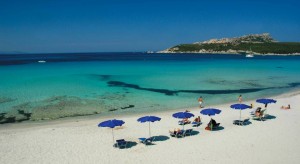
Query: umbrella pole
[240,116]
[149,130]
[112,131]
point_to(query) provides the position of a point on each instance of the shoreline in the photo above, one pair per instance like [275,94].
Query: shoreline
[87,118]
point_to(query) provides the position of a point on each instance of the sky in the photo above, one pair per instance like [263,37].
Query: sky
[35,26]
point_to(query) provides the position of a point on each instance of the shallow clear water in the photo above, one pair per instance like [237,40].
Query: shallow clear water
[109,83]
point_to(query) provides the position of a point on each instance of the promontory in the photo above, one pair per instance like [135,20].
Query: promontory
[262,44]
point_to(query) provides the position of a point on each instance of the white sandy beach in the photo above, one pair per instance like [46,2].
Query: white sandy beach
[82,141]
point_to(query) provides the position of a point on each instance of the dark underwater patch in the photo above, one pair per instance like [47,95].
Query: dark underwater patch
[100,77]
[6,99]
[175,92]
[292,85]
[250,83]
[134,86]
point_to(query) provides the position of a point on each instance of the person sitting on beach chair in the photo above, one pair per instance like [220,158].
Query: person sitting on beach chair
[260,115]
[258,112]
[213,124]
[286,107]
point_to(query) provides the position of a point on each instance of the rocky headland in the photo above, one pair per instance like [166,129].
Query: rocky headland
[258,44]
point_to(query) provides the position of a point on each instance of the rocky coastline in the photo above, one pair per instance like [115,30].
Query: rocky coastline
[256,44]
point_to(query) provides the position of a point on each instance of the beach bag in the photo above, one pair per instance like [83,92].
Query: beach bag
[207,128]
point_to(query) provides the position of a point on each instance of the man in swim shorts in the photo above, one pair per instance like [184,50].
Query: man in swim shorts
[200,101]
[240,99]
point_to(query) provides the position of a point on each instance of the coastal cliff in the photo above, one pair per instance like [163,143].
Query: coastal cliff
[253,43]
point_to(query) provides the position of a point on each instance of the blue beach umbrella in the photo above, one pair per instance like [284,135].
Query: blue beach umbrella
[182,115]
[111,124]
[149,119]
[240,107]
[210,111]
[266,101]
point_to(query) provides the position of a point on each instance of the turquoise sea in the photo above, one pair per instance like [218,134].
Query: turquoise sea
[77,84]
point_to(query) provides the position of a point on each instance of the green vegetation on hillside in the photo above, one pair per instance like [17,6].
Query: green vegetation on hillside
[263,48]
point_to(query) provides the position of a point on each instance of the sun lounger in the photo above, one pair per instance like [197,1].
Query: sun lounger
[187,132]
[183,123]
[241,122]
[172,134]
[180,123]
[182,133]
[120,143]
[196,123]
[178,134]
[147,141]
[261,117]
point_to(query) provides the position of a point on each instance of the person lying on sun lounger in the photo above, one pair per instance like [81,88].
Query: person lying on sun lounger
[186,121]
[197,119]
[175,131]
[286,107]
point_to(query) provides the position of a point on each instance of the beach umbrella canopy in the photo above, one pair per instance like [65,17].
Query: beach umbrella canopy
[266,101]
[240,107]
[149,119]
[182,115]
[111,124]
[210,111]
